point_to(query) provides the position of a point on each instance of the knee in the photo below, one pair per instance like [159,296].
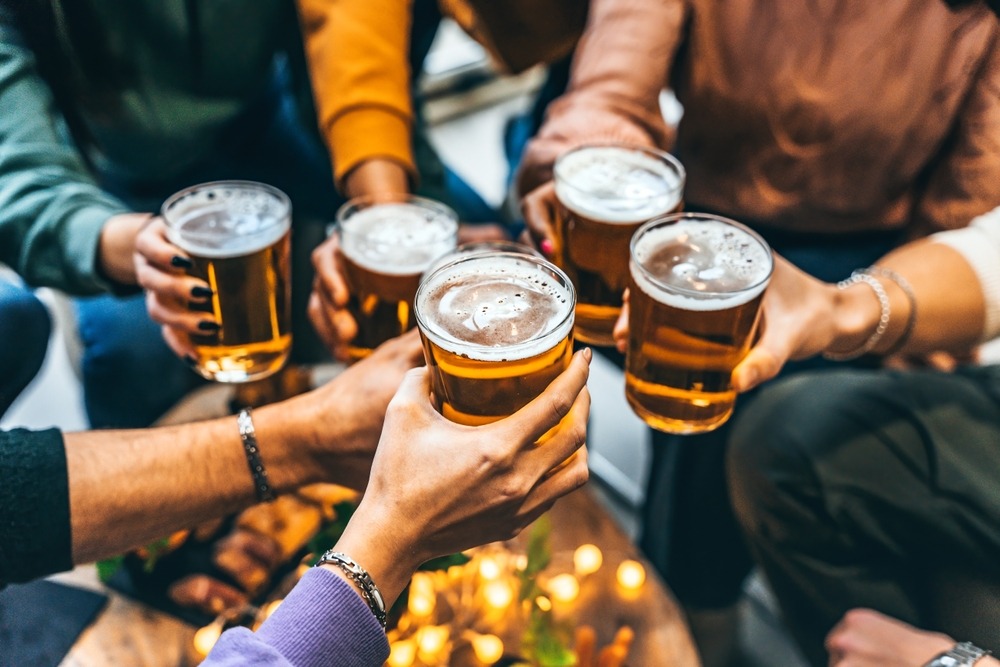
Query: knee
[24,323]
[775,446]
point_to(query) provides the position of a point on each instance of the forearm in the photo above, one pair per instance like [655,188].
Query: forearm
[149,483]
[377,177]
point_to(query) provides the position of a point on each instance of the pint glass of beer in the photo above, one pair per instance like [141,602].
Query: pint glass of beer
[605,193]
[385,246]
[237,235]
[497,328]
[696,287]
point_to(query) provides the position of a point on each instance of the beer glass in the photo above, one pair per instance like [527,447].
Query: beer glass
[696,286]
[497,328]
[237,235]
[605,193]
[385,246]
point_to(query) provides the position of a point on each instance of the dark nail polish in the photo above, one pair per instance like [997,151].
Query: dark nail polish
[189,360]
[200,292]
[206,325]
[181,262]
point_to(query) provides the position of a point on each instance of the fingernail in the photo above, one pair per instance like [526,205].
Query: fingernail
[181,262]
[547,247]
[208,325]
[588,354]
[189,360]
[200,292]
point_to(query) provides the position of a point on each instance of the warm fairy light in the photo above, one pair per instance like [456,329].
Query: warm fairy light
[564,587]
[587,559]
[422,598]
[489,569]
[206,637]
[402,653]
[498,594]
[488,648]
[543,603]
[431,640]
[521,562]
[271,607]
[631,575]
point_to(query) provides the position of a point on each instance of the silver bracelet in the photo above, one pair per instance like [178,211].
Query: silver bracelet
[261,487]
[883,321]
[360,576]
[911,297]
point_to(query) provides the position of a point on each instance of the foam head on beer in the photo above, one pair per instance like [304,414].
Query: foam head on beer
[618,184]
[398,238]
[497,329]
[697,284]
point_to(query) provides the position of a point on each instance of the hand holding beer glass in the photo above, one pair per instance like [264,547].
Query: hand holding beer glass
[384,248]
[604,194]
[497,329]
[697,282]
[236,235]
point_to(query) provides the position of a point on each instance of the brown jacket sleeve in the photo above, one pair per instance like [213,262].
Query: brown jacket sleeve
[358,63]
[965,183]
[620,67]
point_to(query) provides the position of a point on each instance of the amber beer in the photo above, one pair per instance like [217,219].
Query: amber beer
[497,329]
[385,247]
[697,284]
[605,193]
[237,235]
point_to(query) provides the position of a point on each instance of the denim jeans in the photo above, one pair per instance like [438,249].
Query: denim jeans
[24,338]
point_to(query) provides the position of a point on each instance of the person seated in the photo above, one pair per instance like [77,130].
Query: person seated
[877,488]
[76,497]
[24,339]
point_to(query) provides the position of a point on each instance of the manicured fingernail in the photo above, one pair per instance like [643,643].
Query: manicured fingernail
[200,292]
[547,247]
[207,325]
[189,360]
[181,262]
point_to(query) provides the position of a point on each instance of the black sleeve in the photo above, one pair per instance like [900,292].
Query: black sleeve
[34,505]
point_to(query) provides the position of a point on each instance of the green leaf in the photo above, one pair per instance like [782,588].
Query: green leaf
[107,567]
[444,562]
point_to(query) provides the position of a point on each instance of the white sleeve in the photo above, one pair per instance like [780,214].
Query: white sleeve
[979,244]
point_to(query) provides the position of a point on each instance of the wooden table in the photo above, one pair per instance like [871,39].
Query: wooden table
[129,633]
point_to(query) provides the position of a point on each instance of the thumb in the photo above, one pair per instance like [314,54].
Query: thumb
[762,363]
[415,387]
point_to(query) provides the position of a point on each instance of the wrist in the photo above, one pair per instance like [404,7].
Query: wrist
[116,246]
[287,447]
[377,177]
[856,313]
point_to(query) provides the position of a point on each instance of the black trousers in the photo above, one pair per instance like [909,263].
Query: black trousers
[875,489]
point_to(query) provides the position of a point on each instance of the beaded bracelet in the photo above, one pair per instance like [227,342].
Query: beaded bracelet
[369,591]
[911,297]
[862,276]
[261,487]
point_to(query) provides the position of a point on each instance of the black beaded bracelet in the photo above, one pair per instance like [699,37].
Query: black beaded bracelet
[261,487]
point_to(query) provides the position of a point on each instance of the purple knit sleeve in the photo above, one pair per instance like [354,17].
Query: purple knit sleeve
[322,622]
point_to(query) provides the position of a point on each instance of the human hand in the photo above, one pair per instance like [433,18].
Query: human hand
[866,638]
[621,329]
[340,423]
[799,316]
[173,298]
[328,302]
[116,246]
[539,210]
[438,487]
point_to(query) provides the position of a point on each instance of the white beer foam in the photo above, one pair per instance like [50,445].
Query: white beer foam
[616,185]
[495,309]
[217,230]
[716,266]
[397,239]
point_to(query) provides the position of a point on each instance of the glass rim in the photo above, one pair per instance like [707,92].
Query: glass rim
[235,184]
[363,202]
[655,153]
[672,218]
[566,321]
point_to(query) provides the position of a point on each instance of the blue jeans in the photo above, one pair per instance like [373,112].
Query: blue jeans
[24,338]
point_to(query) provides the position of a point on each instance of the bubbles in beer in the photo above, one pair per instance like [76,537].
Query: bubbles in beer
[616,185]
[397,238]
[484,307]
[707,257]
